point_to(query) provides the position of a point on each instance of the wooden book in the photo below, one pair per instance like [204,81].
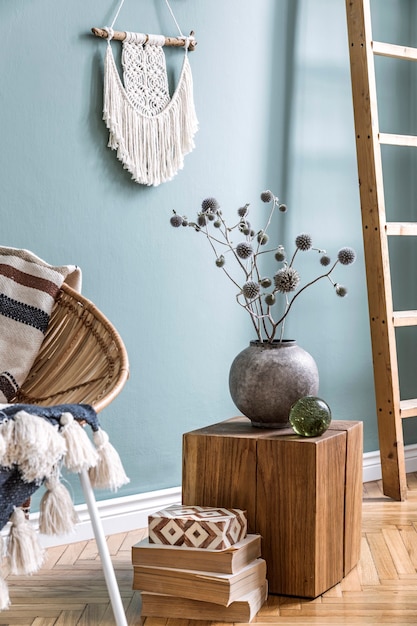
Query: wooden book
[227,561]
[242,610]
[198,585]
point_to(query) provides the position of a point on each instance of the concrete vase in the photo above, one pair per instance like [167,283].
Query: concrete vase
[267,378]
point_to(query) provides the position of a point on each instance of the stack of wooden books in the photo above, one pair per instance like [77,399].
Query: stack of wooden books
[184,581]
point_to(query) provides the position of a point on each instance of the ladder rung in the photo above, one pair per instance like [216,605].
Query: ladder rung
[408,408]
[401,228]
[405,318]
[397,140]
[394,51]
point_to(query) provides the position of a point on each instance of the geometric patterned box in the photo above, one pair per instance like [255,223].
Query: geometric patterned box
[198,527]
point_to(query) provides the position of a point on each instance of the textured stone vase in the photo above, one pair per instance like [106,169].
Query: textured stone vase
[267,378]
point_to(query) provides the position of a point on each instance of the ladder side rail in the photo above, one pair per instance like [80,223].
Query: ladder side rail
[404,318]
[376,249]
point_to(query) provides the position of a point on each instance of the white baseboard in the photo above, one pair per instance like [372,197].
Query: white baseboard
[117,515]
[372,463]
[131,512]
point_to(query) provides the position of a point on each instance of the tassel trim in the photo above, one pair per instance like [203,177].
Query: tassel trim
[24,552]
[109,472]
[4,594]
[80,453]
[38,448]
[4,591]
[57,515]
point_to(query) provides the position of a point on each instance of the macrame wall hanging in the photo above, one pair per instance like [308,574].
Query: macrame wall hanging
[150,130]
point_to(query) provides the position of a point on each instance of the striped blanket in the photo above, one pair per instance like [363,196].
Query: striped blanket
[28,289]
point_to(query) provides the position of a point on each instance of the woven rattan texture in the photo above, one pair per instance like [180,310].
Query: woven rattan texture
[82,358]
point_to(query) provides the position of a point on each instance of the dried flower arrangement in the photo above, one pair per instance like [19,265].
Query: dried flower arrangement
[257,294]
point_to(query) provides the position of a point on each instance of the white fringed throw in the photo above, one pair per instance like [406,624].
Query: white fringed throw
[150,132]
[35,442]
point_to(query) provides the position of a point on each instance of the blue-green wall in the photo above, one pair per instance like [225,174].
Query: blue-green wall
[65,196]
[325,202]
[325,198]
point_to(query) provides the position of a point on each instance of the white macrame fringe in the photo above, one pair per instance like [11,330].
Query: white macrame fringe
[57,515]
[24,552]
[151,148]
[109,472]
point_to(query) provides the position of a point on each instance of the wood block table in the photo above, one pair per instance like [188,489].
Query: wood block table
[303,495]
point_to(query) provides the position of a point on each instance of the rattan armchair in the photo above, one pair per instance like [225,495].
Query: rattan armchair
[82,360]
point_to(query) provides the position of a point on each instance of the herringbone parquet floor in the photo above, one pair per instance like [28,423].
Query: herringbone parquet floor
[70,589]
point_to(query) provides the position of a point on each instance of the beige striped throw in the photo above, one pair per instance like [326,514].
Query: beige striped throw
[28,289]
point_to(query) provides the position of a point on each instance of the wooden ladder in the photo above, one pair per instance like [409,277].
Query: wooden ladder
[391,409]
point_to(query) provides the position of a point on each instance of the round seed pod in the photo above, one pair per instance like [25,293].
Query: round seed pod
[250,290]
[244,250]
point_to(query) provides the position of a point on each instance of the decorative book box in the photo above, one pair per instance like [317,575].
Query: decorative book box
[303,495]
[214,528]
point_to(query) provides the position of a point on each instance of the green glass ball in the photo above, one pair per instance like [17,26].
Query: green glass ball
[310,416]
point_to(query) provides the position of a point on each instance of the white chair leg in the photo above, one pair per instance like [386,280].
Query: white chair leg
[112,586]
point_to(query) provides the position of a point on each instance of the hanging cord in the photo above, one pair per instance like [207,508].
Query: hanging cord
[187,40]
[169,9]
[110,34]
[117,14]
[173,17]
[110,29]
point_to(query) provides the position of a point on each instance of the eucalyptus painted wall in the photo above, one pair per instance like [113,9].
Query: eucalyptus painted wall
[325,199]
[272,93]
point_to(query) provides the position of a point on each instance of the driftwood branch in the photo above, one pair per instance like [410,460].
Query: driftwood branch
[177,42]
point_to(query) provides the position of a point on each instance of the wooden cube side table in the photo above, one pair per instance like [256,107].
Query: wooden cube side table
[303,495]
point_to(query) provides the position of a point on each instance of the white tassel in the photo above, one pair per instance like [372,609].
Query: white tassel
[38,446]
[109,472]
[3,446]
[4,590]
[25,554]
[4,594]
[8,457]
[80,453]
[57,514]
